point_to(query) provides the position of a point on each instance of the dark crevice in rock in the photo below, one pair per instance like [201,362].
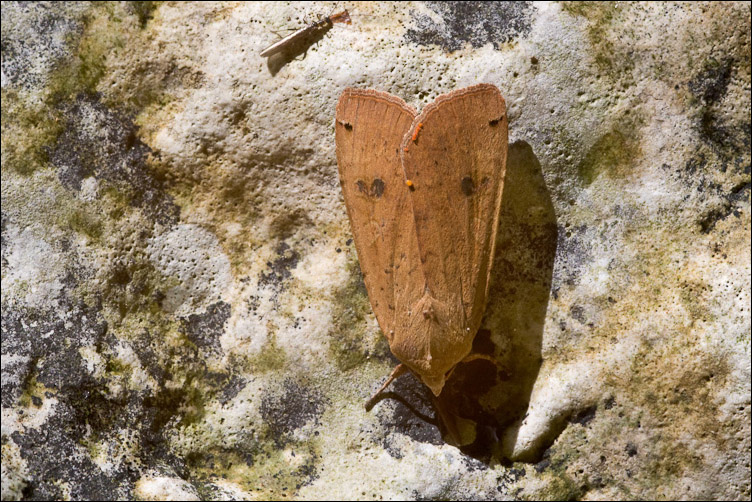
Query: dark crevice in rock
[476,23]
[97,141]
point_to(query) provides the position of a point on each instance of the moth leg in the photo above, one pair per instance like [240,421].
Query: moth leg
[471,357]
[476,355]
[448,421]
[398,371]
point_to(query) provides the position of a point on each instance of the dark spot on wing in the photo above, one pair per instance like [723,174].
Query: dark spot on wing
[495,122]
[377,188]
[361,186]
[468,187]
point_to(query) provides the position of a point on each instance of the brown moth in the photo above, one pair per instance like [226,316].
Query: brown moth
[423,194]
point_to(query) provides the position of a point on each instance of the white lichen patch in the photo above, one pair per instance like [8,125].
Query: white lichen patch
[191,255]
[360,467]
[32,417]
[15,470]
[225,424]
[247,333]
[164,488]
[93,360]
[34,272]
[139,378]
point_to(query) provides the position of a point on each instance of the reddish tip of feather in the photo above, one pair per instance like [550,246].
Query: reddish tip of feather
[417,130]
[342,17]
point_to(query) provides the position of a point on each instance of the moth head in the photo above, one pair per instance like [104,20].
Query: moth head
[432,372]
[434,382]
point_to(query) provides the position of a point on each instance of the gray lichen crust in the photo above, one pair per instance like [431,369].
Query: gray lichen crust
[183,315]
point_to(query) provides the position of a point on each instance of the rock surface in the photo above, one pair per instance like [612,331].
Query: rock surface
[183,315]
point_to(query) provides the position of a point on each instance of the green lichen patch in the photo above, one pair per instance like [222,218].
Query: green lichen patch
[107,30]
[259,468]
[101,143]
[600,17]
[271,357]
[558,487]
[29,129]
[131,290]
[84,222]
[33,392]
[32,122]
[677,393]
[672,399]
[110,28]
[613,155]
[228,203]
[143,10]
[350,333]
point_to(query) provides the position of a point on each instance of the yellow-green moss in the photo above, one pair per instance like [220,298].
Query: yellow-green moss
[600,16]
[349,330]
[29,130]
[116,366]
[30,127]
[271,357]
[226,197]
[83,71]
[261,468]
[32,388]
[558,487]
[84,222]
[116,202]
[613,154]
[144,11]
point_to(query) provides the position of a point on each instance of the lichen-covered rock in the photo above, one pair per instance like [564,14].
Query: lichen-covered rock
[183,315]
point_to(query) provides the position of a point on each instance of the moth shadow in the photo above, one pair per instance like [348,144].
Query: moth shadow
[295,49]
[483,404]
[495,398]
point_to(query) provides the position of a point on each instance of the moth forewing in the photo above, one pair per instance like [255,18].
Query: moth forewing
[369,127]
[457,166]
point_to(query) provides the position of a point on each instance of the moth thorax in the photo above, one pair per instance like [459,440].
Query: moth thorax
[432,341]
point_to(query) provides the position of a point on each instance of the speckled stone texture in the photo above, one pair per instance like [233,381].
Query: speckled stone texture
[183,315]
